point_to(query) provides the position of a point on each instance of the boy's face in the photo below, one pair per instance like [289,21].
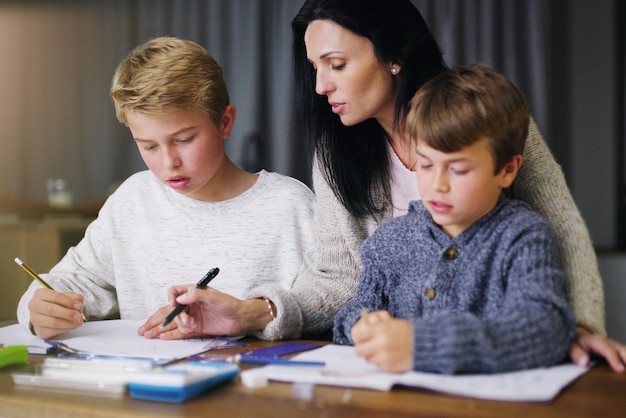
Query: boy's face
[184,149]
[458,188]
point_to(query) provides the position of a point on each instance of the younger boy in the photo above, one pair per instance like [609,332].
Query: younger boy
[191,211]
[468,280]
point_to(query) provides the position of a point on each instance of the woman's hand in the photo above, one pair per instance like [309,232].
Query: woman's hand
[207,312]
[587,344]
[52,313]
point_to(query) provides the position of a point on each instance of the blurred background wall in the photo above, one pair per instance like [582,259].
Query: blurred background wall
[57,58]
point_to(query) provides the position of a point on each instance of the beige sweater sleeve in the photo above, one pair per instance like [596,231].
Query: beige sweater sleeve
[331,271]
[541,184]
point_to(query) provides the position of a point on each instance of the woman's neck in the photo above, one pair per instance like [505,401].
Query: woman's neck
[403,146]
[400,141]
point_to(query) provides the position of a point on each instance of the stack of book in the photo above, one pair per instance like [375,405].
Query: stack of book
[142,378]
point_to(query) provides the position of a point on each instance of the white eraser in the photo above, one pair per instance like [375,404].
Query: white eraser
[253,380]
[303,391]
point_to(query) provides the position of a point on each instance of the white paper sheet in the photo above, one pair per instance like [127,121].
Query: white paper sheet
[111,338]
[17,335]
[344,368]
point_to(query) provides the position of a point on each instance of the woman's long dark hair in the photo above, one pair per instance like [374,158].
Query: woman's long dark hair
[354,158]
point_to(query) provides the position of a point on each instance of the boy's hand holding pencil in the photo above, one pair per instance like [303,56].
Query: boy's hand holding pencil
[51,312]
[384,341]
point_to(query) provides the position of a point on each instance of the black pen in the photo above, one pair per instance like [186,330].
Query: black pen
[200,285]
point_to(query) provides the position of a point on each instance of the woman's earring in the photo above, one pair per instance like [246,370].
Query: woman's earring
[394,70]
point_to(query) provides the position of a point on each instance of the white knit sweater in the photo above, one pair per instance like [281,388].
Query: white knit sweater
[148,237]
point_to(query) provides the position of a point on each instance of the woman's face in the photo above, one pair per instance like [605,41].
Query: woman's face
[357,84]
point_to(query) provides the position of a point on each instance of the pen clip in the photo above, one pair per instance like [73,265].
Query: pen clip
[62,347]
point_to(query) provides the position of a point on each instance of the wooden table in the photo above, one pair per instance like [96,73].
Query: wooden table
[598,393]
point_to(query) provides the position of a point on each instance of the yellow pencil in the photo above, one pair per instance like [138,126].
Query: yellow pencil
[35,276]
[32,273]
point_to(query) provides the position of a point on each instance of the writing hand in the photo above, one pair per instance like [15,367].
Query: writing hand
[384,341]
[209,312]
[53,313]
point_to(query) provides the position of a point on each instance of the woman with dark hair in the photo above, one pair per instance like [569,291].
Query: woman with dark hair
[353,154]
[358,63]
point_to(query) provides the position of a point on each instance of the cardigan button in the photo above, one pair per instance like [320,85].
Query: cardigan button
[451,253]
[431,293]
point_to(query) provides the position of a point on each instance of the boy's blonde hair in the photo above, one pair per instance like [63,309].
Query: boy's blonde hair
[463,105]
[167,74]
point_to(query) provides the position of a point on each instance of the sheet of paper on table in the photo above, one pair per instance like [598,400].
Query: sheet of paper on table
[110,338]
[17,335]
[344,368]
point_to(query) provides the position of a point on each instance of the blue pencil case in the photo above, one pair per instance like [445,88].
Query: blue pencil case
[177,383]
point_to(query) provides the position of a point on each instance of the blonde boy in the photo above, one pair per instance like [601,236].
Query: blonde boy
[191,211]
